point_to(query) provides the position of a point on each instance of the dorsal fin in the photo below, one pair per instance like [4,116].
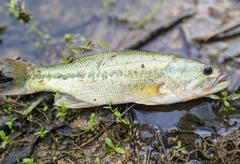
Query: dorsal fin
[92,48]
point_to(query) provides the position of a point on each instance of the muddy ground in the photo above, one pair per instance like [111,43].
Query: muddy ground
[198,131]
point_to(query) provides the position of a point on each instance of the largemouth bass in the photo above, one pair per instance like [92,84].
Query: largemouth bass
[142,77]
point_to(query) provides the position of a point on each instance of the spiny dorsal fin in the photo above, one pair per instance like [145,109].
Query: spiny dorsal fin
[92,48]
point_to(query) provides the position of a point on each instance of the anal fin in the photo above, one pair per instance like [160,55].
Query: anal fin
[71,102]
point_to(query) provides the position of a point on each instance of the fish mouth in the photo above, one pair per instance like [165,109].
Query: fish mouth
[221,82]
[219,79]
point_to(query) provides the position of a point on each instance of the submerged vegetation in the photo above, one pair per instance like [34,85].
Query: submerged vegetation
[17,10]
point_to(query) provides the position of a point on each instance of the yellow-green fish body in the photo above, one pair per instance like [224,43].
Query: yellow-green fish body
[143,77]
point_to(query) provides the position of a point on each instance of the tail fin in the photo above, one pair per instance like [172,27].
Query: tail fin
[18,71]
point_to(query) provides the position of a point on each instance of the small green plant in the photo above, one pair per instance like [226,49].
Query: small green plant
[56,140]
[92,122]
[28,110]
[225,99]
[41,133]
[117,114]
[124,125]
[68,40]
[5,139]
[28,160]
[113,147]
[17,10]
[177,150]
[62,110]
[10,123]
[43,111]
[9,109]
[30,117]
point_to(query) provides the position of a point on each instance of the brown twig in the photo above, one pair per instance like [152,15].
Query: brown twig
[127,110]
[14,102]
[79,148]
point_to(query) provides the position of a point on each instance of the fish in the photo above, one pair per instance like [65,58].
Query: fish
[142,77]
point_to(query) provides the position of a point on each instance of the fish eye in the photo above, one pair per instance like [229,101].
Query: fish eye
[208,70]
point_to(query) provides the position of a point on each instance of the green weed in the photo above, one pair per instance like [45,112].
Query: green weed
[28,160]
[17,10]
[68,40]
[43,111]
[5,139]
[62,110]
[28,110]
[41,133]
[92,122]
[30,117]
[177,150]
[225,99]
[9,109]
[10,123]
[117,114]
[113,147]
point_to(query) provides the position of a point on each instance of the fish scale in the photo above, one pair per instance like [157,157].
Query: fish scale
[105,88]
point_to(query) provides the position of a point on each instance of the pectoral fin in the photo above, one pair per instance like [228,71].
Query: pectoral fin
[71,102]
